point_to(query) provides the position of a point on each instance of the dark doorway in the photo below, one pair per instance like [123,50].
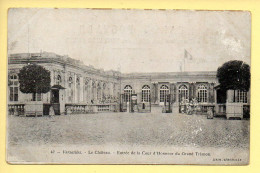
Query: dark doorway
[221,96]
[55,101]
[55,96]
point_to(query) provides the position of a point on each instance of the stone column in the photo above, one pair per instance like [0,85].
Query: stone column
[211,93]
[75,89]
[95,90]
[65,84]
[215,96]
[49,96]
[152,93]
[195,91]
[190,91]
[62,92]
[52,77]
[81,95]
[157,93]
[85,90]
[91,90]
[173,92]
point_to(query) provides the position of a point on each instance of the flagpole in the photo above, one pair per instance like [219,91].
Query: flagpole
[184,64]
[28,40]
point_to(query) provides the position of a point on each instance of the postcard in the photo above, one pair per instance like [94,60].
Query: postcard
[128,86]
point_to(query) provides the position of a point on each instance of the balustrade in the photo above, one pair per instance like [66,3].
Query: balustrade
[94,108]
[16,109]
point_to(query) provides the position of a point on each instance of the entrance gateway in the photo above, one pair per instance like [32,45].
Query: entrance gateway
[56,99]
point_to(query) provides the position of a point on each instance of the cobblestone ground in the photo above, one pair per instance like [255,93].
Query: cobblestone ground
[130,129]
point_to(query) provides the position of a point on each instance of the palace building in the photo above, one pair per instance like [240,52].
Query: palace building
[77,88]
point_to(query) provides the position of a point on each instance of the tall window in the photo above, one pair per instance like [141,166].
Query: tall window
[146,93]
[242,96]
[13,88]
[93,90]
[78,89]
[202,93]
[104,94]
[36,97]
[70,90]
[58,82]
[99,91]
[114,89]
[86,90]
[164,92]
[183,93]
[127,93]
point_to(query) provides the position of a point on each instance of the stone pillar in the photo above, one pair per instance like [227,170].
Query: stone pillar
[65,84]
[211,98]
[75,89]
[62,93]
[91,90]
[152,93]
[190,91]
[215,96]
[49,96]
[172,93]
[85,90]
[157,93]
[174,100]
[95,90]
[52,77]
[195,91]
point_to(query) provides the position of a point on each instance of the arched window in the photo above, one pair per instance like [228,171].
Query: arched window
[127,93]
[70,89]
[70,80]
[183,93]
[58,82]
[99,94]
[242,96]
[202,94]
[164,92]
[13,95]
[146,93]
[78,81]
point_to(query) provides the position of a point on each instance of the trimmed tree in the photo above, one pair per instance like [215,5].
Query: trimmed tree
[34,79]
[234,75]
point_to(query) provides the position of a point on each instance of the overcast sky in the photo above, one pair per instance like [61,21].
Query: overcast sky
[134,40]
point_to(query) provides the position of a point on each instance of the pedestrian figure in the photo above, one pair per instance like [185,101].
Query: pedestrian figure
[210,113]
[51,112]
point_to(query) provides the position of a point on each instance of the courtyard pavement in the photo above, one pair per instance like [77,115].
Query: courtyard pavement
[128,129]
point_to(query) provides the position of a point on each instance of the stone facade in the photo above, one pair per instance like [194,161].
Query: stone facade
[88,85]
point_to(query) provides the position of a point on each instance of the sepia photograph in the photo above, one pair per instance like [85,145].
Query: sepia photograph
[128,86]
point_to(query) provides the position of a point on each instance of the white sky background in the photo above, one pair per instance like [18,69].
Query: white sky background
[136,40]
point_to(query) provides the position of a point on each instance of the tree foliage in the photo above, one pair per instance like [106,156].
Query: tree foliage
[234,75]
[34,79]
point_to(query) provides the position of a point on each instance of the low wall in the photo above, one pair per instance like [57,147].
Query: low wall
[93,108]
